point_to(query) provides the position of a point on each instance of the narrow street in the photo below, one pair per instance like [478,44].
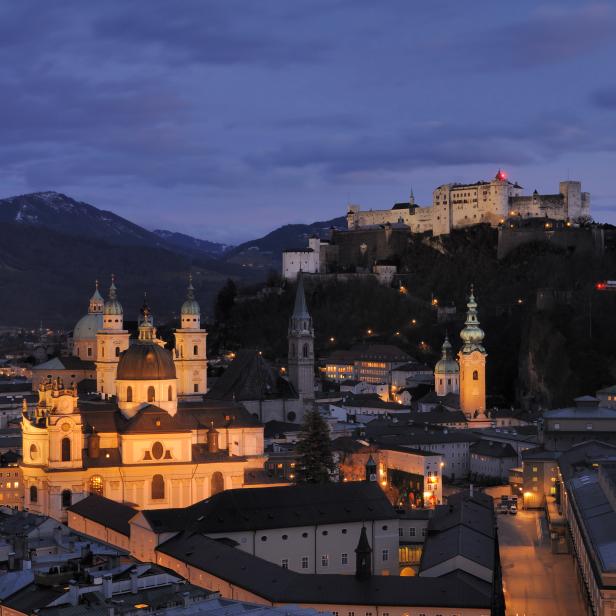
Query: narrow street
[536,582]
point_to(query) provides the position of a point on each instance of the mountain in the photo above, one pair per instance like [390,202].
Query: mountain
[266,252]
[190,245]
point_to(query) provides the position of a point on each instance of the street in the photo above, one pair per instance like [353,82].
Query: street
[536,582]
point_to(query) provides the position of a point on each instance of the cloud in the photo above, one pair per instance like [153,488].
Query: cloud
[604,98]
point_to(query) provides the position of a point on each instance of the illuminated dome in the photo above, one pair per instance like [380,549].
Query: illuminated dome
[472,335]
[112,305]
[146,361]
[191,306]
[87,327]
[447,364]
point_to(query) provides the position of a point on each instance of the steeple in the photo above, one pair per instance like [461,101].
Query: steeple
[472,335]
[112,305]
[363,557]
[446,372]
[96,302]
[147,331]
[190,312]
[412,197]
[370,469]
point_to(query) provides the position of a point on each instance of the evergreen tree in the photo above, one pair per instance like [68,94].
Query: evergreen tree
[314,449]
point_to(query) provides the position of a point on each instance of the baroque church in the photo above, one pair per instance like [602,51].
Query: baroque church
[151,437]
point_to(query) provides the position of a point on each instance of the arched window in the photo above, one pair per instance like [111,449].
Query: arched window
[151,394]
[305,350]
[170,393]
[67,497]
[117,351]
[33,494]
[195,350]
[218,483]
[129,394]
[66,449]
[96,485]
[158,487]
[475,375]
[157,450]
[33,452]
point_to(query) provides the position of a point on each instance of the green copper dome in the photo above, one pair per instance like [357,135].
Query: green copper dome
[112,305]
[447,364]
[190,306]
[472,335]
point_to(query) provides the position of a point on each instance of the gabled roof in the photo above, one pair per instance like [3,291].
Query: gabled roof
[106,512]
[250,377]
[297,505]
[151,420]
[65,362]
[492,449]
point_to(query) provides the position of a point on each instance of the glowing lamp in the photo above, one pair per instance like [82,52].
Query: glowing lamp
[501,176]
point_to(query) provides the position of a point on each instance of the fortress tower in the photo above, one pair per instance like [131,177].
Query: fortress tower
[110,342]
[472,360]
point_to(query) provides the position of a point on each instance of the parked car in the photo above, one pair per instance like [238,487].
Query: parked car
[513,509]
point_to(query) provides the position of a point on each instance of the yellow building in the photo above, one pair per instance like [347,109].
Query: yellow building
[145,446]
[472,360]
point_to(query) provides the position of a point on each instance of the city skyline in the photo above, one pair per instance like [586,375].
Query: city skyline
[225,121]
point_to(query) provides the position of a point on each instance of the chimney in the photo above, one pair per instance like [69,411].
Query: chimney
[134,581]
[107,587]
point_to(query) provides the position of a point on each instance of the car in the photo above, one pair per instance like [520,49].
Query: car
[502,508]
[513,510]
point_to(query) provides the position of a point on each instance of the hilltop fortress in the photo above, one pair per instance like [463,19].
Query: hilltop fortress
[460,205]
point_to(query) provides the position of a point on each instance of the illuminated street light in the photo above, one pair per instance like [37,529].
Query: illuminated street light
[332,339]
[369,332]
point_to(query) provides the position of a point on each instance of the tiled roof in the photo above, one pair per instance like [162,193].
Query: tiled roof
[106,512]
[151,420]
[492,449]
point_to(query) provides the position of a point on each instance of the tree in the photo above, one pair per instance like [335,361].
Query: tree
[314,448]
[225,301]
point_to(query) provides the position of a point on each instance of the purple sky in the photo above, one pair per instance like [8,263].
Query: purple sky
[226,119]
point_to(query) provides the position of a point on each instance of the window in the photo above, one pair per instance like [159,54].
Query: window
[304,562]
[96,485]
[195,350]
[385,555]
[196,388]
[67,497]
[264,538]
[66,449]
[157,450]
[423,531]
[218,483]
[589,426]
[33,451]
[305,350]
[158,487]
[33,494]
[151,394]
[412,532]
[89,351]
[325,560]
[284,563]
[344,558]
[475,375]
[556,426]
[117,351]
[170,393]
[401,532]
[129,394]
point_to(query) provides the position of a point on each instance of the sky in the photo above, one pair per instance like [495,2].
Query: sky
[227,119]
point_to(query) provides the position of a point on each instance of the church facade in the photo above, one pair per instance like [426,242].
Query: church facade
[149,439]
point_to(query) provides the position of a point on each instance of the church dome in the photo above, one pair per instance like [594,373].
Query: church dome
[447,364]
[146,361]
[112,305]
[472,335]
[190,306]
[87,327]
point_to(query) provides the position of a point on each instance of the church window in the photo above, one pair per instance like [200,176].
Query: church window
[218,483]
[170,393]
[33,451]
[196,388]
[66,449]
[67,498]
[129,394]
[305,350]
[102,351]
[195,350]
[158,487]
[151,394]
[96,485]
[89,351]
[117,351]
[475,375]
[157,450]
[33,494]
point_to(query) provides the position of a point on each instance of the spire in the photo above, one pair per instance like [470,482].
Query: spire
[96,301]
[363,557]
[412,197]
[300,310]
[190,306]
[146,321]
[370,469]
[472,335]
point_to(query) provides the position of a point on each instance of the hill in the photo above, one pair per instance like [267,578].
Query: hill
[265,253]
[187,244]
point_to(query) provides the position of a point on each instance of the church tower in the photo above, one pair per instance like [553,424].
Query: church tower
[190,354]
[472,359]
[111,340]
[301,345]
[446,372]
